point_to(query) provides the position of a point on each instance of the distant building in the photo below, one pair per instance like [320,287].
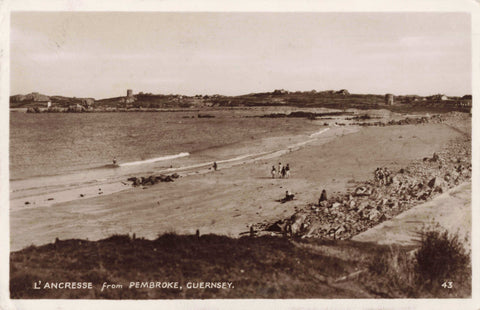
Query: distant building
[389,99]
[88,102]
[328,92]
[129,98]
[43,103]
[76,108]
[343,92]
[438,97]
[411,98]
[280,92]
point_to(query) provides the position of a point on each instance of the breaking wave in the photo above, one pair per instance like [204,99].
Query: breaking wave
[152,160]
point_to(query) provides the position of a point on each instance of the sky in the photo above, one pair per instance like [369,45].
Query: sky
[102,54]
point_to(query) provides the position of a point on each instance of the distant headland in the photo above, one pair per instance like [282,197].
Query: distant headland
[148,102]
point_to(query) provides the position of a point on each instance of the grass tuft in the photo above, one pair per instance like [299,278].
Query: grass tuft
[440,267]
[440,258]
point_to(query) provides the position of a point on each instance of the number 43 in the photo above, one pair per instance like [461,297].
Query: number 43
[447,284]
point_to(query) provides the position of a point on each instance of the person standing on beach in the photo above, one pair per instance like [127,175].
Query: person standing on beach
[215,166]
[323,196]
[387,176]
[287,171]
[380,176]
[273,172]
[114,160]
[279,171]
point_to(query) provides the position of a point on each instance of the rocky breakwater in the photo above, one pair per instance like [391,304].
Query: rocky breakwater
[406,121]
[153,179]
[386,195]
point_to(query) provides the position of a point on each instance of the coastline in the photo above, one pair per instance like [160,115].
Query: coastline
[69,187]
[239,194]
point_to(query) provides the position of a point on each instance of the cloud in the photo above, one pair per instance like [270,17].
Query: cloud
[229,52]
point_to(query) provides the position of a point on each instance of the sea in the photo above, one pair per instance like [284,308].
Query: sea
[54,150]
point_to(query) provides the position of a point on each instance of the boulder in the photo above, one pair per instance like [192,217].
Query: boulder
[336,205]
[447,177]
[340,229]
[363,205]
[364,214]
[165,178]
[151,180]
[279,226]
[135,181]
[395,182]
[297,223]
[437,184]
[374,215]
[363,191]
[324,204]
[439,189]
[390,203]
[423,195]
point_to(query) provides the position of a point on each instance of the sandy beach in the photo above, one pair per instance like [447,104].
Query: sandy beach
[145,147]
[239,194]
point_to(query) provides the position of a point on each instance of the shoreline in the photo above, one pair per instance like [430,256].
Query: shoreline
[40,196]
[389,195]
[229,200]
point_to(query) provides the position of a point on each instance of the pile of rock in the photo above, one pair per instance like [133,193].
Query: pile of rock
[33,110]
[153,179]
[405,121]
[371,202]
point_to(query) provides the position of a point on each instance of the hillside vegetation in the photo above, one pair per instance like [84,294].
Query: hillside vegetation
[328,99]
[248,267]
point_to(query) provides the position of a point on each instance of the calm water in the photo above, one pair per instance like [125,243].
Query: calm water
[51,144]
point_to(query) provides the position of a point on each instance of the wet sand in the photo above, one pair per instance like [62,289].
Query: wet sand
[49,190]
[240,193]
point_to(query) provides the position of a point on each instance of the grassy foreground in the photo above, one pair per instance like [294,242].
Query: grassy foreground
[262,267]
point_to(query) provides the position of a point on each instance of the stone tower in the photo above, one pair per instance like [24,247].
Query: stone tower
[129,98]
[389,99]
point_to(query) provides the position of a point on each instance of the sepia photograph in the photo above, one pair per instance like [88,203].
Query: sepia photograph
[181,155]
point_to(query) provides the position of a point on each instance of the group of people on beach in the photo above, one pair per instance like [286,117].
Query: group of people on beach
[282,172]
[383,176]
